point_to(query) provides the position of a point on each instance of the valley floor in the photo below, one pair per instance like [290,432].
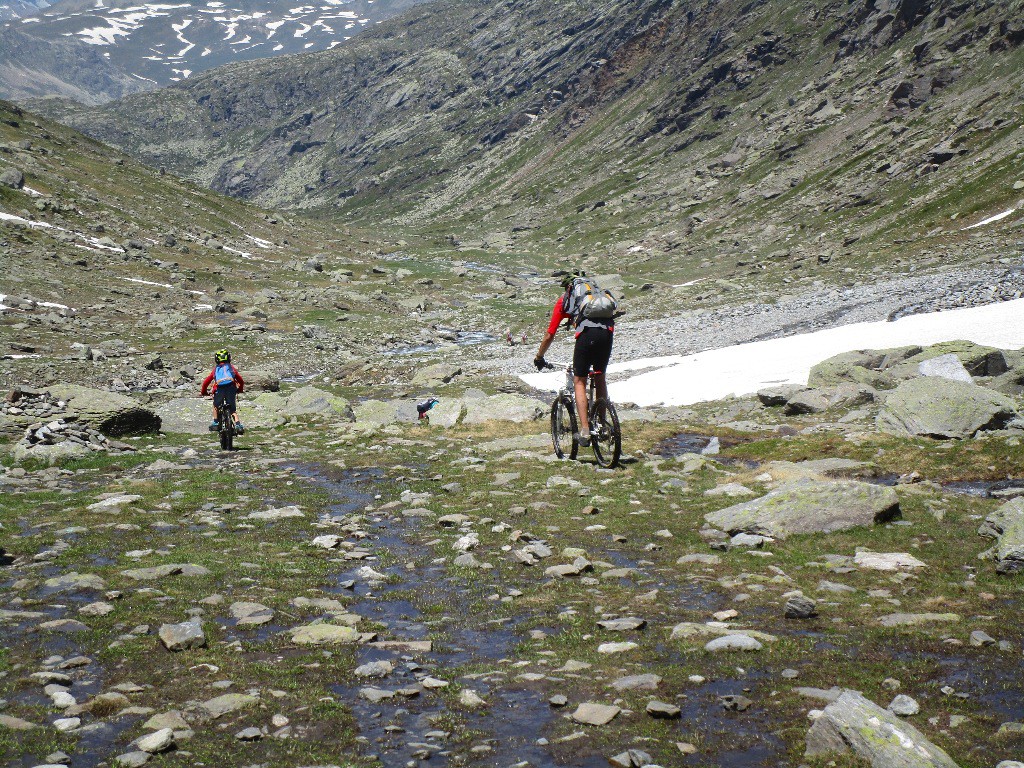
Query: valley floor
[404,596]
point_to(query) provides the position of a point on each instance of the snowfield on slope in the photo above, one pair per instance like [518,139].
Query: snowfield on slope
[742,369]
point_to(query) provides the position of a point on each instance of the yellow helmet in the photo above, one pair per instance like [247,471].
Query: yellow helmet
[222,356]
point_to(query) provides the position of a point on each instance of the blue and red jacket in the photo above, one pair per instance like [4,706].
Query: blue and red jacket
[213,378]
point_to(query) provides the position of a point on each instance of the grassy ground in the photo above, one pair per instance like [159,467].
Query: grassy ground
[491,626]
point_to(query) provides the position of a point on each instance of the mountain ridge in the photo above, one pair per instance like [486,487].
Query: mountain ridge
[92,52]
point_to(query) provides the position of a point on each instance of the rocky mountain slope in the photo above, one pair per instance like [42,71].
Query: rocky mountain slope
[16,9]
[93,52]
[759,142]
[32,67]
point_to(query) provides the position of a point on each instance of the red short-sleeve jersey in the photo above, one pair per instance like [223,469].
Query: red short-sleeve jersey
[558,314]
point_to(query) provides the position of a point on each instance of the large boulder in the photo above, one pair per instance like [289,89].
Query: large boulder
[503,407]
[978,359]
[936,407]
[110,412]
[257,380]
[853,724]
[809,506]
[858,367]
[1006,525]
[435,375]
[446,413]
[191,415]
[307,401]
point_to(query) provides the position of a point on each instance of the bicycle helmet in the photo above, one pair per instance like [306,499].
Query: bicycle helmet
[222,356]
[568,277]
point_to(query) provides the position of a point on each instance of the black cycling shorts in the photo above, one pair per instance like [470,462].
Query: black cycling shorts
[225,394]
[593,350]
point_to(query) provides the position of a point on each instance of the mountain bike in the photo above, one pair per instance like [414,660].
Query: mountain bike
[226,429]
[605,435]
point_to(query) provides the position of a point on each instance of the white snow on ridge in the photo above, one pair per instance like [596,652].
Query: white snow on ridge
[260,242]
[991,219]
[742,369]
[93,243]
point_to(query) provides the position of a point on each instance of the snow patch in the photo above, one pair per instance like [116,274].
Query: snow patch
[742,369]
[991,219]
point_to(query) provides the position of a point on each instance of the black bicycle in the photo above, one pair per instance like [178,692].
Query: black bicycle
[605,435]
[226,427]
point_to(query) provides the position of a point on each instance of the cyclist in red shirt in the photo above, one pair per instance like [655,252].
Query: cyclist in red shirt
[593,350]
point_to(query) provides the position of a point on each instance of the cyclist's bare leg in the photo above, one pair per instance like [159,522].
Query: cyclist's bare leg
[601,385]
[580,385]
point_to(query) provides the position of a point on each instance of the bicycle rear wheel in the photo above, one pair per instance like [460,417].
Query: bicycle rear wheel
[605,436]
[563,428]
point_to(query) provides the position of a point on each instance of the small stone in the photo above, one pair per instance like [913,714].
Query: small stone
[375,695]
[67,723]
[616,647]
[156,742]
[631,758]
[980,639]
[558,700]
[591,713]
[374,669]
[133,759]
[801,607]
[470,699]
[229,702]
[733,643]
[249,734]
[662,710]
[96,609]
[645,682]
[180,637]
[904,706]
[735,703]
[171,719]
[622,625]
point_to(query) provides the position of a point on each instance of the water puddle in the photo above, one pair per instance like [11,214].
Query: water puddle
[987,489]
[459,338]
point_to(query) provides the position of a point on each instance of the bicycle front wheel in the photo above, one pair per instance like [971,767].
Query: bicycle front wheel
[605,435]
[563,428]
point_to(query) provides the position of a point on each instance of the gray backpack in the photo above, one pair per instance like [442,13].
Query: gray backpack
[585,299]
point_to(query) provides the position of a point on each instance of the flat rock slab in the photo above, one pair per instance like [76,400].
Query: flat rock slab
[733,643]
[595,714]
[809,506]
[622,625]
[114,503]
[162,571]
[917,619]
[887,561]
[689,630]
[63,625]
[645,682]
[74,582]
[15,723]
[158,741]
[852,724]
[324,634]
[229,702]
[252,614]
[279,513]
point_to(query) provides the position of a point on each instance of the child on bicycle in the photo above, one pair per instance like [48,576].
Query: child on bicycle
[593,350]
[227,383]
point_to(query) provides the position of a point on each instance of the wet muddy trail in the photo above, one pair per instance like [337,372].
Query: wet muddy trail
[475,646]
